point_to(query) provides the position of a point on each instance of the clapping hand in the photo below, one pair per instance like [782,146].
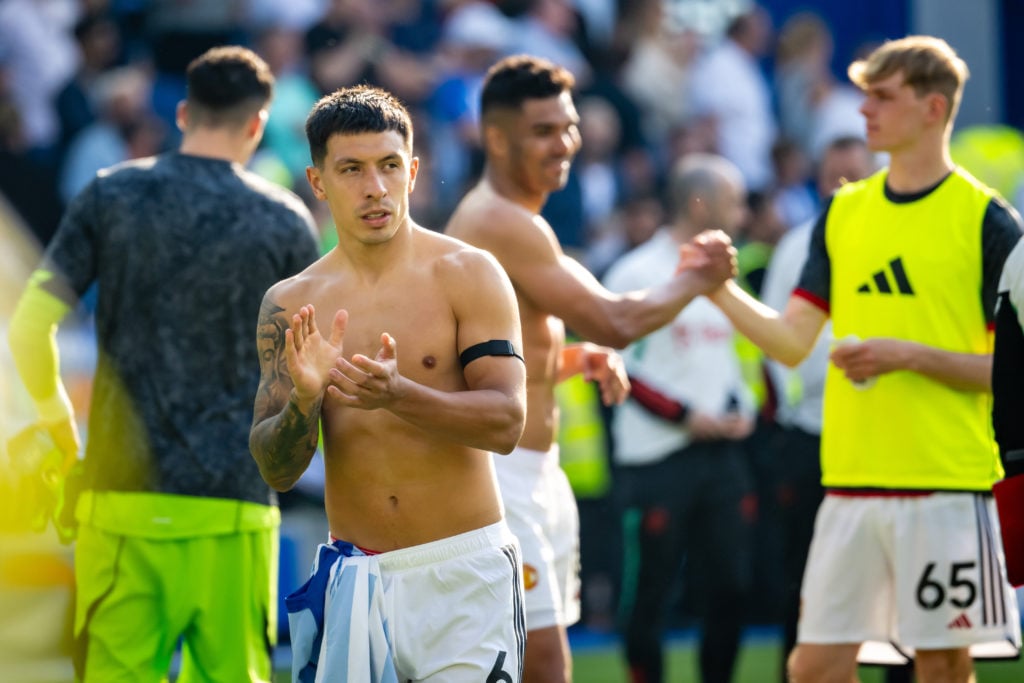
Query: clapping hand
[309,355]
[368,383]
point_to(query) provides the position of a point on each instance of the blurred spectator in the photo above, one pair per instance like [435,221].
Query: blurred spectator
[564,212]
[296,15]
[281,47]
[415,25]
[802,57]
[99,46]
[474,35]
[657,70]
[601,179]
[633,223]
[814,108]
[681,470]
[125,129]
[757,237]
[352,44]
[28,183]
[800,392]
[728,87]
[40,55]
[795,201]
[548,28]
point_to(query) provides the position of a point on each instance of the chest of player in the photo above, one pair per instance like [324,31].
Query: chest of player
[907,269]
[424,332]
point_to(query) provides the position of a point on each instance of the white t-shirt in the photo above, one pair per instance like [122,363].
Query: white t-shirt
[1012,280]
[692,359]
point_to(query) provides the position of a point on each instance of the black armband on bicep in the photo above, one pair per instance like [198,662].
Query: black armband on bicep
[494,347]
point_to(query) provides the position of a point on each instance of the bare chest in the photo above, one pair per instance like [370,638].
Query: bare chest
[415,313]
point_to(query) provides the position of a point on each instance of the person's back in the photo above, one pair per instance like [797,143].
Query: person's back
[180,249]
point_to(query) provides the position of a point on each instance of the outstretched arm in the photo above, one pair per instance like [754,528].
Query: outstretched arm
[294,361]
[557,284]
[787,338]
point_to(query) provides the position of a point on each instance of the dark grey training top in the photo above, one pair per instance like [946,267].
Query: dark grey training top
[182,249]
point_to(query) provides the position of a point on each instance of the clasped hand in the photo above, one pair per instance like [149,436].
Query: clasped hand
[711,257]
[316,365]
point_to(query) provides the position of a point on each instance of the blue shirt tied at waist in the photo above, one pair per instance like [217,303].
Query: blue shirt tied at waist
[337,623]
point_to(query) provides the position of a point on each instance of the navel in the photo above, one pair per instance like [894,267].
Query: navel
[394,501]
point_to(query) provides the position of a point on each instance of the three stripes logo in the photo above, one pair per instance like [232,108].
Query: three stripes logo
[884,280]
[960,622]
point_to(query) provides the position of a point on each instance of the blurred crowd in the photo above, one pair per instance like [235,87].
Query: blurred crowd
[85,84]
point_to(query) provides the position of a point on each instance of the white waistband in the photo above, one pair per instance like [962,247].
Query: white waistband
[495,535]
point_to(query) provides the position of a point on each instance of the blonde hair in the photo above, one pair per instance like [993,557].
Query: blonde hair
[929,65]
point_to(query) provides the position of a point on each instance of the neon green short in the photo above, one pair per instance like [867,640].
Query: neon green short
[152,569]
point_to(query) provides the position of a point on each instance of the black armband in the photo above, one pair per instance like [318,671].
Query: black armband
[494,347]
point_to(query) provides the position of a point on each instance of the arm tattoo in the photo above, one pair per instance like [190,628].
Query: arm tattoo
[282,438]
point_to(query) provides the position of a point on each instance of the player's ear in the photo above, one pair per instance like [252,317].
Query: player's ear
[181,116]
[414,167]
[257,123]
[937,107]
[316,182]
[495,140]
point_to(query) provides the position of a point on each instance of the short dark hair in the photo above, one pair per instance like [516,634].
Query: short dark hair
[226,85]
[518,78]
[359,109]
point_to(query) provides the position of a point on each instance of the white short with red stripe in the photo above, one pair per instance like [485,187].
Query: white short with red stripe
[541,511]
[902,573]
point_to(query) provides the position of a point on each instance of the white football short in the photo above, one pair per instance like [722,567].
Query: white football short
[540,508]
[446,611]
[902,573]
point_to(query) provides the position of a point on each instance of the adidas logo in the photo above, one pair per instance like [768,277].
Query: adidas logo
[884,280]
[960,622]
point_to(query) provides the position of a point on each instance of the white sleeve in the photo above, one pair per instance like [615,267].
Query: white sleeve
[1012,280]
